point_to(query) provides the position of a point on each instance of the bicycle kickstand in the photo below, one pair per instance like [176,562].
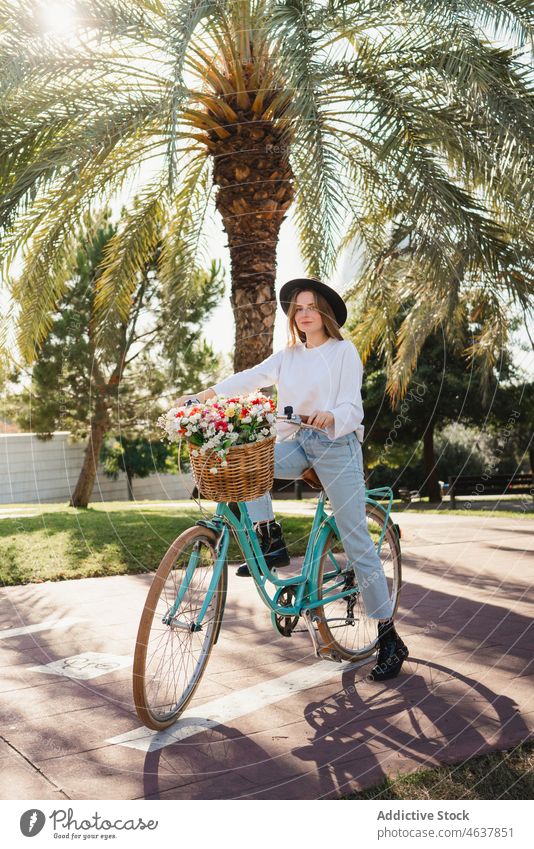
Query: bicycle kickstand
[322,652]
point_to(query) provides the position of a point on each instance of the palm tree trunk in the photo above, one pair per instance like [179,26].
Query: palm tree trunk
[86,480]
[432,483]
[255,189]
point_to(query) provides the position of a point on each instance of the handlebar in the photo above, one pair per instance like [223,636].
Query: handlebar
[295,419]
[288,417]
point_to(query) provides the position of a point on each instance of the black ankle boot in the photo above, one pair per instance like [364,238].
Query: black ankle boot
[392,653]
[272,544]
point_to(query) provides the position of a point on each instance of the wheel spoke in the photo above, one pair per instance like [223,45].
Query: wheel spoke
[343,623]
[169,661]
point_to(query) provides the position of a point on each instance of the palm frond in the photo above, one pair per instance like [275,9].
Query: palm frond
[86,183]
[180,257]
[183,20]
[69,152]
[421,320]
[409,130]
[128,254]
[373,328]
[48,265]
[320,211]
[492,316]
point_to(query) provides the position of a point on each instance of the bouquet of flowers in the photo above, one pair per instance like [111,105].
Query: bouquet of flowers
[220,423]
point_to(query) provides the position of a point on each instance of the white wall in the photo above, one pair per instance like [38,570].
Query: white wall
[32,471]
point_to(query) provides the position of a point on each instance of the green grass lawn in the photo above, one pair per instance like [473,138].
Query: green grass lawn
[500,775]
[54,542]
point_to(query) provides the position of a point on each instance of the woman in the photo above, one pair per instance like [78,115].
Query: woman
[319,374]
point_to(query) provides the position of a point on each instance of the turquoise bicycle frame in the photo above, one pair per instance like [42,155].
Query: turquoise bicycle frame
[305,585]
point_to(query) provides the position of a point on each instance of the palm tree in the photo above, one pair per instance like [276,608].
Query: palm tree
[381,122]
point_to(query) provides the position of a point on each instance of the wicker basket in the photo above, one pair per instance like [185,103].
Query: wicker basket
[249,473]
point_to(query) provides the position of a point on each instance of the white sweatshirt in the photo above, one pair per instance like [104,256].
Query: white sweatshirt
[328,377]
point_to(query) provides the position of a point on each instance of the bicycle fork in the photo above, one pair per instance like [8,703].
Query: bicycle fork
[221,549]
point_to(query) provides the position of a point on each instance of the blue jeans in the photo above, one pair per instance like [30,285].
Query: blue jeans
[339,466]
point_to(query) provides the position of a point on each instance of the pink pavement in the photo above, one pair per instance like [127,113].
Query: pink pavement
[466,689]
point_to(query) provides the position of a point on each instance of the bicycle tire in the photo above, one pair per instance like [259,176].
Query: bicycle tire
[342,637]
[165,682]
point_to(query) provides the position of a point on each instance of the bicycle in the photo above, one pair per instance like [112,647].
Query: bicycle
[184,609]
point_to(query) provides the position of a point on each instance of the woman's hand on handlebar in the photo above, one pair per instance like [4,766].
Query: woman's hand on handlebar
[321,418]
[183,399]
[198,396]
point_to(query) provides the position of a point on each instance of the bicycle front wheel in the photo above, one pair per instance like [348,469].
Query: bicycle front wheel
[170,656]
[343,625]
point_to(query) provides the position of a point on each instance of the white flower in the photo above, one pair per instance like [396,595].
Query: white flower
[214,470]
[195,452]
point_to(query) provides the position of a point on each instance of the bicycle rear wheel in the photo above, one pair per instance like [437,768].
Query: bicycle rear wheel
[343,625]
[170,658]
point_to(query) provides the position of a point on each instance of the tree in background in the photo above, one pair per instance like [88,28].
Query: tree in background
[117,380]
[401,127]
[138,458]
[442,390]
[515,426]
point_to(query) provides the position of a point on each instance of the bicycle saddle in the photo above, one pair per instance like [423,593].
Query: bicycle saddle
[310,476]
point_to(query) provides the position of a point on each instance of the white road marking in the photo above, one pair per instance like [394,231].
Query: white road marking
[230,707]
[49,625]
[84,666]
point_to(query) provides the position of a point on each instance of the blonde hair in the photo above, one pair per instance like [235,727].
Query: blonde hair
[330,325]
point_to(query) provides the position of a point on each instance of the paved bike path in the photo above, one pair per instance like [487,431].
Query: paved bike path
[269,720]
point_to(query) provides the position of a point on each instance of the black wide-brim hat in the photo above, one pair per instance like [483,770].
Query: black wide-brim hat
[311,283]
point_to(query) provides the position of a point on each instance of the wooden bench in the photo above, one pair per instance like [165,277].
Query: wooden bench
[409,495]
[472,485]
